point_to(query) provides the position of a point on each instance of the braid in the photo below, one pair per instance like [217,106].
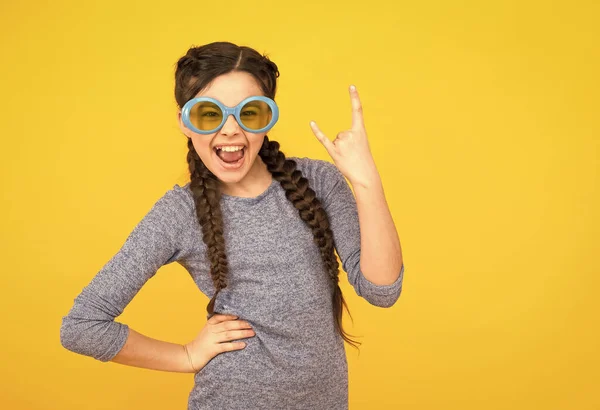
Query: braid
[311,211]
[206,193]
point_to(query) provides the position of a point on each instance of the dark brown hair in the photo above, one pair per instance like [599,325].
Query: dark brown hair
[194,72]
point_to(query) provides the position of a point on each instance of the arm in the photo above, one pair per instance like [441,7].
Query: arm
[381,254]
[365,237]
[143,351]
[89,327]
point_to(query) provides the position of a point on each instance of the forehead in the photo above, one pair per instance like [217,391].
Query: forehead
[232,88]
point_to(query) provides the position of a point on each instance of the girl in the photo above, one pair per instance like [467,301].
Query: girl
[257,231]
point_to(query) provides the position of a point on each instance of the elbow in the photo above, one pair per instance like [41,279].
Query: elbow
[68,335]
[99,339]
[73,336]
[384,296]
[91,331]
[384,301]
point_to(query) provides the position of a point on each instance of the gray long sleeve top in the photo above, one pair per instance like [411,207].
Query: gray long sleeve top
[277,282]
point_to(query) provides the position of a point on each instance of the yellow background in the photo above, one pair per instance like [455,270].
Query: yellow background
[483,120]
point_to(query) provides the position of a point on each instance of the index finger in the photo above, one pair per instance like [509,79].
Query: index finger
[357,111]
[219,317]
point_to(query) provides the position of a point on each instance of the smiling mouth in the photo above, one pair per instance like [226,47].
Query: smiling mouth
[230,159]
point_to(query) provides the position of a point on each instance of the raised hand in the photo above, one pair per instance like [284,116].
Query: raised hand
[350,149]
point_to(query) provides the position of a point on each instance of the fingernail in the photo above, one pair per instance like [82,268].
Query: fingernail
[352,88]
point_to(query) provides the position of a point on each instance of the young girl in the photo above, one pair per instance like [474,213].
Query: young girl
[257,231]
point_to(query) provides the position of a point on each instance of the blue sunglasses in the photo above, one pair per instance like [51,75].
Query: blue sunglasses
[206,115]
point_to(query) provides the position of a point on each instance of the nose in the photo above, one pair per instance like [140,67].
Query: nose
[230,127]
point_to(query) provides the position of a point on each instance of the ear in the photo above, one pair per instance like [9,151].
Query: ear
[182,127]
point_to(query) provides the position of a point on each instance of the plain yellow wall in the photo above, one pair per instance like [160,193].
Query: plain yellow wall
[483,120]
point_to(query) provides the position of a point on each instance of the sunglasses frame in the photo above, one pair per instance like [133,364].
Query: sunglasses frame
[227,111]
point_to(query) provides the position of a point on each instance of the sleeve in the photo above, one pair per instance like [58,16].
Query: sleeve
[89,327]
[340,205]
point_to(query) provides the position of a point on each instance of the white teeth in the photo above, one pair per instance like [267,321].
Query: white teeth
[230,149]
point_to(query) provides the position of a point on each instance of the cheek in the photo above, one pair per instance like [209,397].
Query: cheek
[202,148]
[256,142]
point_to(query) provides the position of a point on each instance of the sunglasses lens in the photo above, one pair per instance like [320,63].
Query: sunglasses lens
[256,114]
[206,115]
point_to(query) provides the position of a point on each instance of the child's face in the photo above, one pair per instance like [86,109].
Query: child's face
[230,89]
